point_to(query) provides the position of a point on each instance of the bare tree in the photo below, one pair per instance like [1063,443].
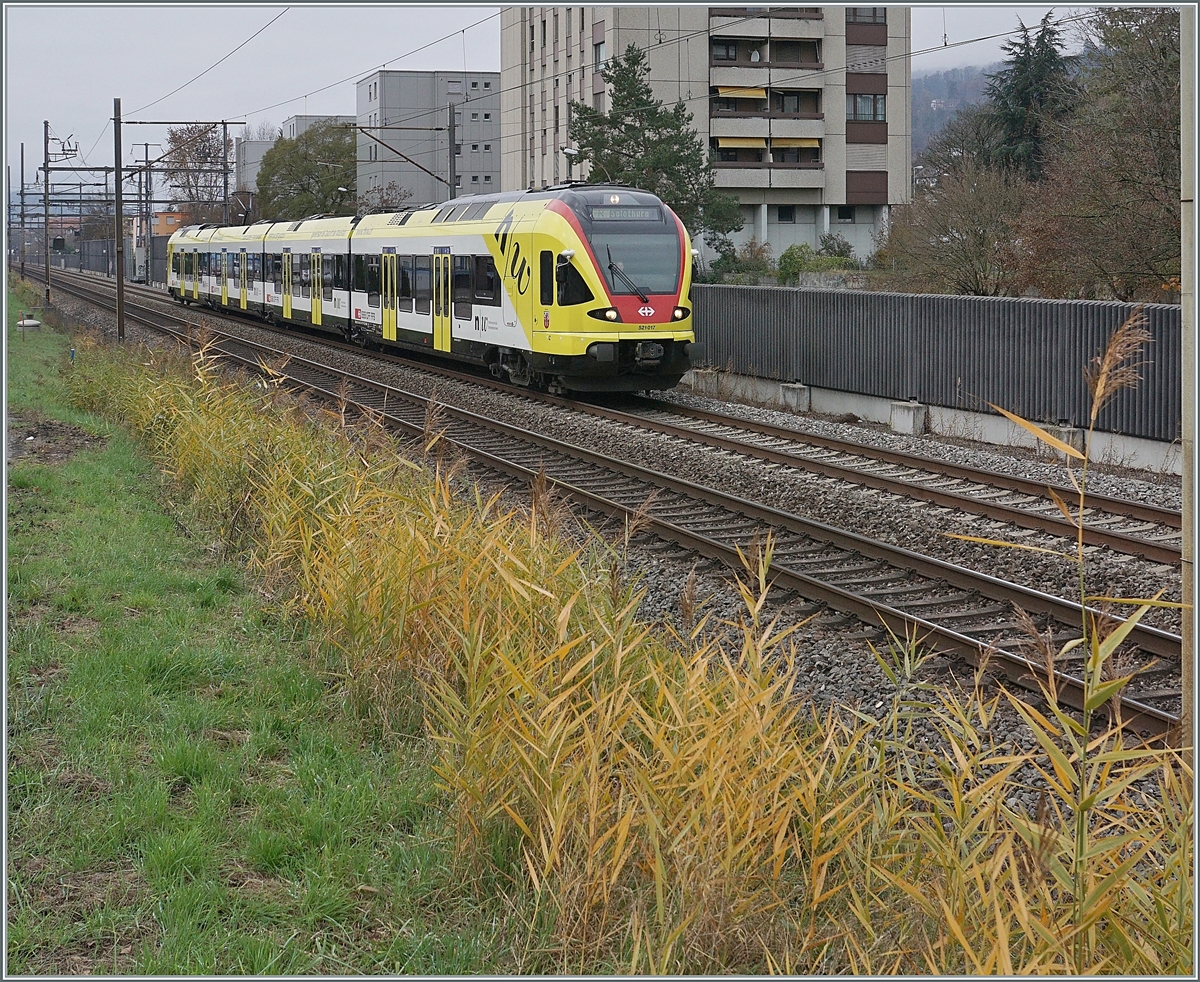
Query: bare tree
[384,199]
[957,237]
[193,167]
[266,130]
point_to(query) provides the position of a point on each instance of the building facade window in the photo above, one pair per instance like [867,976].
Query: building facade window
[866,15]
[866,108]
[845,214]
[598,56]
[787,214]
[724,51]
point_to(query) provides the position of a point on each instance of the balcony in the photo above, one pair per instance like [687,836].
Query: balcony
[714,113]
[748,63]
[774,13]
[763,126]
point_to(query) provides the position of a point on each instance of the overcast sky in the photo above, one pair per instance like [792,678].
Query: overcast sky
[65,63]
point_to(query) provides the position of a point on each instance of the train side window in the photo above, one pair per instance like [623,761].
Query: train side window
[305,274]
[339,272]
[235,266]
[487,282]
[572,288]
[295,277]
[326,263]
[547,278]
[404,278]
[423,283]
[277,272]
[373,280]
[360,274]
[463,287]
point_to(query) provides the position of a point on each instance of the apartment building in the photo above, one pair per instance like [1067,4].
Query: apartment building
[806,110]
[247,159]
[293,126]
[404,133]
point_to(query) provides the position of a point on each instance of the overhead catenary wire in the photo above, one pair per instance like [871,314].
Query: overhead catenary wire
[682,38]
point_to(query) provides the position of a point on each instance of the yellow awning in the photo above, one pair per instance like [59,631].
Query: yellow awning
[734,92]
[741,142]
[792,141]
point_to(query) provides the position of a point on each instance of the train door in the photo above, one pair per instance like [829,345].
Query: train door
[195,270]
[441,298]
[222,275]
[317,282]
[242,284]
[388,298]
[287,284]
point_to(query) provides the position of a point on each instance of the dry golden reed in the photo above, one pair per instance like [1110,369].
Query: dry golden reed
[674,806]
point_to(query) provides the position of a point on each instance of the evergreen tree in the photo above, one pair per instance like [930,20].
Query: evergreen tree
[642,143]
[1027,95]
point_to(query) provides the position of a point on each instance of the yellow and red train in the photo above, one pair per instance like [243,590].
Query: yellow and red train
[571,288]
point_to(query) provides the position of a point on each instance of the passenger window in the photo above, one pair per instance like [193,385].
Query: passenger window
[463,287]
[423,283]
[572,288]
[404,277]
[373,280]
[547,278]
[326,263]
[277,272]
[305,274]
[360,274]
[487,283]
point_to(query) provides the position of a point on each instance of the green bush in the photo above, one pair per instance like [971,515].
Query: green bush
[800,258]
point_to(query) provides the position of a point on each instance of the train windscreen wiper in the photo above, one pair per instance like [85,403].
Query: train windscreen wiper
[614,268]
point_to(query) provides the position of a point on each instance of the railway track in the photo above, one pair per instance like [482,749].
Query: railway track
[953,609]
[1129,527]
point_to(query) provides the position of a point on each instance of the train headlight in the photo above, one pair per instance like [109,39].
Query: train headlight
[605,314]
[679,313]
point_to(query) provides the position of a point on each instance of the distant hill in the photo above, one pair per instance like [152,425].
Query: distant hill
[939,95]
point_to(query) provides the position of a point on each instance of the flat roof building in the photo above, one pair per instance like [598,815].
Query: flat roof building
[806,110]
[404,134]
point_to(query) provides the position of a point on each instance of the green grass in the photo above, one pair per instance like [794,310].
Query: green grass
[186,793]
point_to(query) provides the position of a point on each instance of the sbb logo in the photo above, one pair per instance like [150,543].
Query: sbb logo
[646,311]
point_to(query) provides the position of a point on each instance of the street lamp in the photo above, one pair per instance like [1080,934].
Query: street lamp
[571,153]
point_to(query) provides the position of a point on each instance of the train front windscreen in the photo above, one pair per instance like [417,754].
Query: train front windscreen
[636,243]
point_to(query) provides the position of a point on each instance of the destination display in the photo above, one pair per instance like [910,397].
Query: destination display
[623,213]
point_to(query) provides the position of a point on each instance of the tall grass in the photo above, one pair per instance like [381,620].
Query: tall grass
[655,799]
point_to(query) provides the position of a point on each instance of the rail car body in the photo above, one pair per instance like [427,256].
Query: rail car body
[575,288]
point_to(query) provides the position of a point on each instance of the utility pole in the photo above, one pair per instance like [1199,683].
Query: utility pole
[119,243]
[225,168]
[46,202]
[149,214]
[23,232]
[1187,203]
[453,156]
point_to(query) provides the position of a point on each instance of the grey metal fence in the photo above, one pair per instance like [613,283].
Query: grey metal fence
[960,352]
